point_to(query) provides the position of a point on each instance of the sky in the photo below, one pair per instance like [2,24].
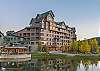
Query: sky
[84,15]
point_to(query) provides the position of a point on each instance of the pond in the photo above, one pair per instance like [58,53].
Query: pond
[53,64]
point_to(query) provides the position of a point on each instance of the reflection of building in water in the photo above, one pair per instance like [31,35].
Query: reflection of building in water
[16,66]
[57,65]
[11,39]
[53,64]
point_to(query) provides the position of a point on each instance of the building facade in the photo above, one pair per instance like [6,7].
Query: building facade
[44,28]
[14,50]
[13,40]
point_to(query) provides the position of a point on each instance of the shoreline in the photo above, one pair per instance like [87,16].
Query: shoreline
[69,54]
[42,55]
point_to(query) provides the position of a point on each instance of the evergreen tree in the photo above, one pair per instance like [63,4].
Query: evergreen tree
[95,45]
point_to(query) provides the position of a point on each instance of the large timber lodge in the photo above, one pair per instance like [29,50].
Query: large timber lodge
[44,28]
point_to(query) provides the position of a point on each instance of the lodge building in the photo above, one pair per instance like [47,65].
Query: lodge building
[13,50]
[44,28]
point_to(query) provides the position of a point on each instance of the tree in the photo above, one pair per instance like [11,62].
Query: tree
[85,47]
[81,49]
[40,46]
[79,45]
[95,45]
[74,46]
[90,42]
[44,48]
[65,48]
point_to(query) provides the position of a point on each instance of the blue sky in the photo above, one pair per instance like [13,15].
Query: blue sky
[82,14]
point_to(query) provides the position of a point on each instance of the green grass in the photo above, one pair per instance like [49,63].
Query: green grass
[38,55]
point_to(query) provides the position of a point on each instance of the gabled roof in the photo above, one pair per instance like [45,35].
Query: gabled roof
[14,36]
[46,13]
[31,21]
[60,23]
[24,29]
[43,15]
[39,17]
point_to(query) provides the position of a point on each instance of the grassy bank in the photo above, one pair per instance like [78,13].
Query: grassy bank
[39,55]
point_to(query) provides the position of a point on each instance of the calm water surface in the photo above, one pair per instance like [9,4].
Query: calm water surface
[52,64]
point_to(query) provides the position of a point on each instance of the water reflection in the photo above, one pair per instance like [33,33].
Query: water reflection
[52,64]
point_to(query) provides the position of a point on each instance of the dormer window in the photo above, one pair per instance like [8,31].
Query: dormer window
[0,36]
[49,17]
[38,16]
[28,29]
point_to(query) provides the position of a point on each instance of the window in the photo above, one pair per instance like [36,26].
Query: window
[32,38]
[42,42]
[50,39]
[37,42]
[47,34]
[50,31]
[28,34]
[61,36]
[47,43]
[47,38]
[24,34]
[57,36]
[32,43]
[52,35]
[20,34]
[57,40]
[28,29]
[42,34]
[11,38]
[32,34]
[28,38]
[42,38]
[37,38]
[57,32]
[58,29]
[50,43]
[17,38]
[37,34]
[0,35]
[49,18]
[28,42]
[71,32]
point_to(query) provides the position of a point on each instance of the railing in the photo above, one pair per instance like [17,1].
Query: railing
[16,56]
[21,57]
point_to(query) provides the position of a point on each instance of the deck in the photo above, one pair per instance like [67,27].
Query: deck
[15,58]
